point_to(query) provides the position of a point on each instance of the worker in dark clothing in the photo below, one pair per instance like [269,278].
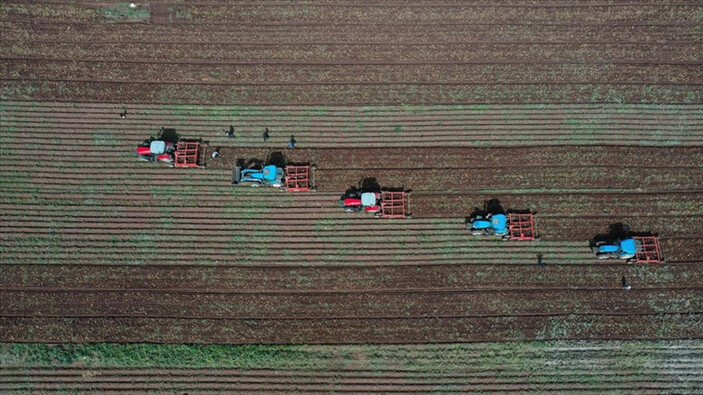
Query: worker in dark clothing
[265,134]
[540,264]
[123,114]
[291,143]
[230,134]
[625,285]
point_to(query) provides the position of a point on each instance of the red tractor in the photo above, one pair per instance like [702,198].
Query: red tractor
[384,204]
[156,151]
[184,153]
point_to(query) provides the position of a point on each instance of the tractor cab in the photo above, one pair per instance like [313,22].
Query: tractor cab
[269,175]
[496,224]
[369,199]
[621,249]
[511,226]
[364,201]
[636,249]
[158,147]
[155,151]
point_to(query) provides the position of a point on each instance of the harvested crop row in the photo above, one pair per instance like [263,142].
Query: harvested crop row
[155,92]
[525,159]
[487,111]
[322,304]
[25,31]
[435,178]
[273,278]
[306,53]
[413,13]
[249,74]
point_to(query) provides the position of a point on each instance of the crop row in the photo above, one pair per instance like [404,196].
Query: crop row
[144,250]
[328,135]
[249,74]
[352,330]
[306,53]
[467,159]
[321,304]
[668,366]
[456,203]
[373,383]
[342,279]
[520,111]
[428,179]
[155,92]
[24,31]
[352,13]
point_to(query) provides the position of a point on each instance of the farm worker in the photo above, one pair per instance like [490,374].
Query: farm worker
[230,134]
[123,114]
[265,134]
[291,143]
[216,154]
[625,285]
[539,261]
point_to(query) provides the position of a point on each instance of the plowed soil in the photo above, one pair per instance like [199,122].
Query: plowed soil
[587,114]
[353,53]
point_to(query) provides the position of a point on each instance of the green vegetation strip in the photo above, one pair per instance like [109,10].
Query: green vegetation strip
[631,355]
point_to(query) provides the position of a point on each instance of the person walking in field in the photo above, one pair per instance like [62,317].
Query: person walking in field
[625,285]
[123,114]
[230,134]
[216,153]
[291,143]
[265,134]
[540,264]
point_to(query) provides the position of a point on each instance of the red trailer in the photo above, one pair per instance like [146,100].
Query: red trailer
[648,250]
[188,154]
[394,204]
[298,178]
[521,226]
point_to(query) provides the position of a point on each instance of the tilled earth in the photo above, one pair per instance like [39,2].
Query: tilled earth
[538,106]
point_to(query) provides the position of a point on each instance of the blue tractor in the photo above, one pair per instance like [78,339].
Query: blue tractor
[268,176]
[489,225]
[620,249]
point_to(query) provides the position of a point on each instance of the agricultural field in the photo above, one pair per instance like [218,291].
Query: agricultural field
[623,366]
[588,114]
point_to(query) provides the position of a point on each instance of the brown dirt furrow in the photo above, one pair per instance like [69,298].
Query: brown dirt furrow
[576,204]
[79,330]
[371,387]
[143,120]
[292,109]
[391,13]
[346,279]
[587,114]
[373,132]
[418,179]
[311,305]
[317,222]
[327,258]
[145,114]
[350,95]
[142,249]
[18,30]
[358,74]
[361,54]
